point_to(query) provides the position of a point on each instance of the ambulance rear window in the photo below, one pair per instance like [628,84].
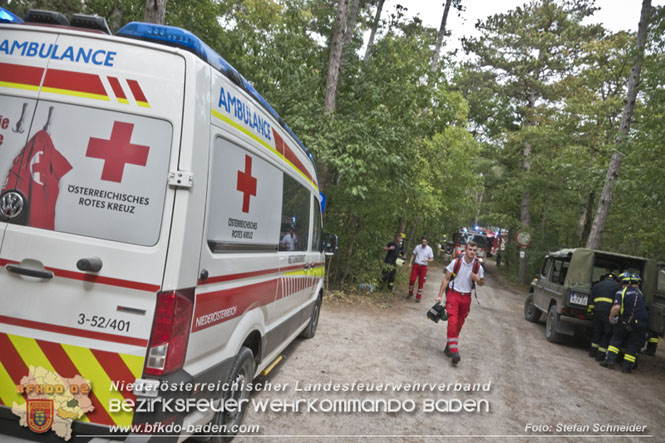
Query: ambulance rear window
[86,171]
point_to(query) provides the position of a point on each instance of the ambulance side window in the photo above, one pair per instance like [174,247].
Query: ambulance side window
[294,230]
[317,229]
[245,200]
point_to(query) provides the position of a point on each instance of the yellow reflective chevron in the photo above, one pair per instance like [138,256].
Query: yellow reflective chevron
[22,356]
[605,299]
[90,368]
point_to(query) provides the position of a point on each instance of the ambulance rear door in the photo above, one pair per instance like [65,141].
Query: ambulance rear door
[20,79]
[80,272]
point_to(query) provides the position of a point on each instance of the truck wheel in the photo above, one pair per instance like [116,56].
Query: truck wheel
[531,313]
[551,326]
[242,373]
[310,330]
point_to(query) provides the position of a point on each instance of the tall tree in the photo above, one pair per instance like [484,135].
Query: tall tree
[155,11]
[442,33]
[528,51]
[621,142]
[375,25]
[334,61]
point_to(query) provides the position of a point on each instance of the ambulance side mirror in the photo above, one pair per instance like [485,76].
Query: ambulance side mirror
[331,244]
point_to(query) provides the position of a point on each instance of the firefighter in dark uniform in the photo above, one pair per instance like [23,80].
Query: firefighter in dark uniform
[629,317]
[652,343]
[602,298]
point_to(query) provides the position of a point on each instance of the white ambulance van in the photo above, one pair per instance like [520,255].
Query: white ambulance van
[160,231]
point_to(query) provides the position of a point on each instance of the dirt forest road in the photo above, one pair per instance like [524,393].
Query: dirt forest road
[536,389]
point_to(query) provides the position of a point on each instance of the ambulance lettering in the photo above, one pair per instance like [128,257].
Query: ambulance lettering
[244,113]
[100,57]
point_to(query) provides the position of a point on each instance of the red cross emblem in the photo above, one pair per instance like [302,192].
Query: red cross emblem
[117,151]
[246,183]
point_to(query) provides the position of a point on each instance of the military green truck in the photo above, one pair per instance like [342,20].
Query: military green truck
[562,289]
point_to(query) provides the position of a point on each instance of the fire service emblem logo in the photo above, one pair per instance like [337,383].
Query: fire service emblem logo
[11,204]
[40,415]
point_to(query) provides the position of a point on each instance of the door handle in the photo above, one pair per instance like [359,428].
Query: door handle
[16,269]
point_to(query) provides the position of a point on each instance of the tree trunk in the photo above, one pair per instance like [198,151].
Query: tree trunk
[351,23]
[479,202]
[336,46]
[375,25]
[589,212]
[353,222]
[525,206]
[155,11]
[620,143]
[402,226]
[115,20]
[584,222]
[410,240]
[439,38]
[348,34]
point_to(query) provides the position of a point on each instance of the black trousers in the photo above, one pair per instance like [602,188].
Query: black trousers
[602,331]
[631,339]
[389,275]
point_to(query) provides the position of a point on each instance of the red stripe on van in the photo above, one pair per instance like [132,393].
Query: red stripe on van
[24,75]
[286,151]
[291,156]
[116,369]
[94,278]
[105,280]
[279,142]
[10,359]
[117,89]
[73,331]
[64,366]
[137,91]
[74,81]
[229,277]
[216,307]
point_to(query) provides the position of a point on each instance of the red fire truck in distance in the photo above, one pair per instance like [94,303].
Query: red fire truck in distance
[482,237]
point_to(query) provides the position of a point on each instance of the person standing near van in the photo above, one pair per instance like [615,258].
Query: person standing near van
[422,254]
[462,274]
[602,298]
[395,250]
[629,317]
[289,241]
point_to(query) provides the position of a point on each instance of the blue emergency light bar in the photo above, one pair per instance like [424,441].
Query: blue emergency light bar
[172,36]
[8,17]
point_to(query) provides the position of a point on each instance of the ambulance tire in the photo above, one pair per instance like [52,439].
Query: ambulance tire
[242,373]
[310,330]
[531,313]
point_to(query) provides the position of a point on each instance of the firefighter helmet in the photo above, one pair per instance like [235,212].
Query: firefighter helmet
[625,277]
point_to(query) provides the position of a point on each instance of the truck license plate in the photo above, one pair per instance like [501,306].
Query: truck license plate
[579,299]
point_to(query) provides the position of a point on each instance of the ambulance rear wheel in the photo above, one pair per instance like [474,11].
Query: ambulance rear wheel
[310,330]
[232,414]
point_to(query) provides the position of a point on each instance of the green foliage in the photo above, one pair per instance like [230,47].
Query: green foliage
[575,76]
[423,152]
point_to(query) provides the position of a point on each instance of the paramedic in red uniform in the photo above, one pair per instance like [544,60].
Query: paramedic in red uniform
[462,274]
[423,255]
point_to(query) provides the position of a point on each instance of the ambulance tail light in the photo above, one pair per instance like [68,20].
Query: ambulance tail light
[170,331]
